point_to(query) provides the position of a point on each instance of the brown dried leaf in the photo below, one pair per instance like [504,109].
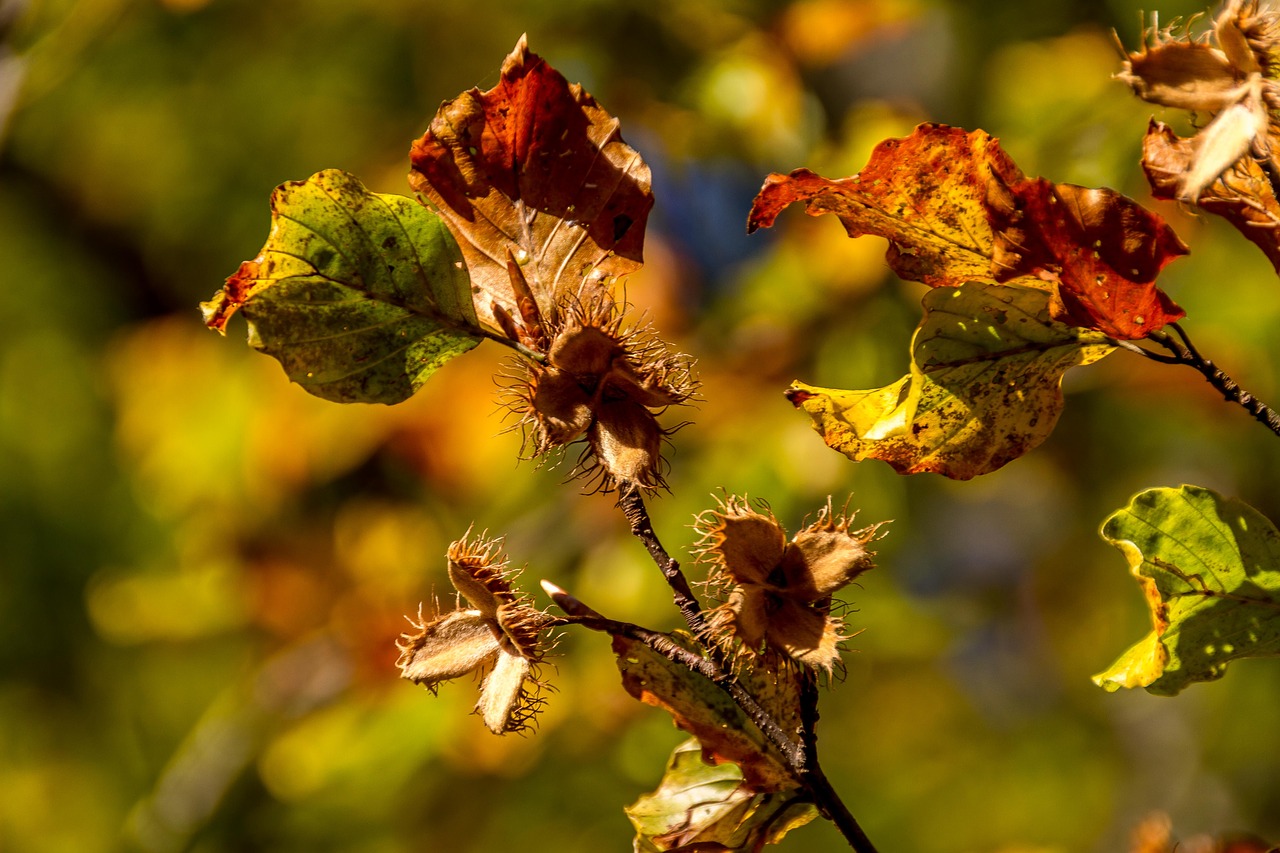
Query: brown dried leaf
[1242,195]
[537,168]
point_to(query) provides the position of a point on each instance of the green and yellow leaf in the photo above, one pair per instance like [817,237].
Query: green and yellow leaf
[360,296]
[1209,568]
[984,388]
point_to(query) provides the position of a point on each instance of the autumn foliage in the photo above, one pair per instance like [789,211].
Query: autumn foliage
[531,208]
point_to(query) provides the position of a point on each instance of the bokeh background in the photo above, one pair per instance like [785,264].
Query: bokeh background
[203,570]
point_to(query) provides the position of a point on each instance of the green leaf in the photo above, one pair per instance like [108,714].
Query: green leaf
[360,296]
[706,807]
[985,386]
[702,709]
[1209,567]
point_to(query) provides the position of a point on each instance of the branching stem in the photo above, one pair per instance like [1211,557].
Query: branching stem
[802,758]
[632,504]
[1184,352]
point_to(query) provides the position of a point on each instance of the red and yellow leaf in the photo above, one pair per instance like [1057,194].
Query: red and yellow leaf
[984,388]
[533,171]
[955,208]
[929,194]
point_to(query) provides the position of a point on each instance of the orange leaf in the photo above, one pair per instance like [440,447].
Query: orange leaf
[928,194]
[955,208]
[535,171]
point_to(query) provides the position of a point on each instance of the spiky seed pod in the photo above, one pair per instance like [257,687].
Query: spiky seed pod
[826,556]
[1249,34]
[603,382]
[777,594]
[444,647]
[554,409]
[1176,71]
[1227,74]
[586,351]
[625,443]
[501,634]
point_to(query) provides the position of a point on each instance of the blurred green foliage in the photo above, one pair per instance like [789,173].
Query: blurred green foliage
[203,570]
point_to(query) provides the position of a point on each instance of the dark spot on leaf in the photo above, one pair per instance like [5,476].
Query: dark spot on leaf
[796,397]
[322,258]
[621,224]
[389,243]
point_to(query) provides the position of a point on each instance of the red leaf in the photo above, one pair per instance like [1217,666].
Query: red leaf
[534,170]
[1102,249]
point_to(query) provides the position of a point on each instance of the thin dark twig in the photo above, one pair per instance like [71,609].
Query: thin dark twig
[1185,352]
[825,797]
[632,504]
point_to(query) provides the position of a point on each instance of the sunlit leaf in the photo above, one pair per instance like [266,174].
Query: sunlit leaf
[705,711]
[360,296]
[1242,195]
[955,208]
[1102,250]
[928,194]
[706,807]
[536,171]
[1209,567]
[984,387]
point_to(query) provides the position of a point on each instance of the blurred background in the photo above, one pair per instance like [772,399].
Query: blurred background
[203,570]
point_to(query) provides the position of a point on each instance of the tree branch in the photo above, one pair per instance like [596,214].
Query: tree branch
[824,795]
[1185,352]
[632,504]
[802,759]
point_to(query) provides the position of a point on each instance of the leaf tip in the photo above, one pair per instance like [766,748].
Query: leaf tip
[797,396]
[235,292]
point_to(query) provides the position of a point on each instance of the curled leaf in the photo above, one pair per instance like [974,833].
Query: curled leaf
[984,388]
[1209,568]
[359,296]
[929,194]
[1103,252]
[706,807]
[536,171]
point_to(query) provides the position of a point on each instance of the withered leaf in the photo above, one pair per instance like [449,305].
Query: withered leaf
[1103,250]
[1242,195]
[705,711]
[536,171]
[929,194]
